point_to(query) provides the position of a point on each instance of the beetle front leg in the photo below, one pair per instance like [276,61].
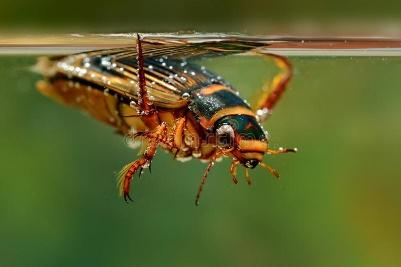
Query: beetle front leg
[273,90]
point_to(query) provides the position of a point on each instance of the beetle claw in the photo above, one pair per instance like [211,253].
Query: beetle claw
[127,197]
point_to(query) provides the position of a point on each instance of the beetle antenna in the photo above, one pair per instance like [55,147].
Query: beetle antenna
[270,169]
[281,150]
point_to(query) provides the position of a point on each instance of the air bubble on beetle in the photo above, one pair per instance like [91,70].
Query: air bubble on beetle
[106,91]
[196,154]
[150,67]
[146,165]
[185,95]
[266,134]
[132,104]
[261,114]
[184,159]
[193,73]
[105,61]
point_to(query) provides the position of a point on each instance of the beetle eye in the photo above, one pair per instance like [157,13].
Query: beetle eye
[225,136]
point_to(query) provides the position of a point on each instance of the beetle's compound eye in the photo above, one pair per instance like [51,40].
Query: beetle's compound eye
[225,136]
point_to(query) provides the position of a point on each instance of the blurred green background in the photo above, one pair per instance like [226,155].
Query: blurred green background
[338,203]
[207,15]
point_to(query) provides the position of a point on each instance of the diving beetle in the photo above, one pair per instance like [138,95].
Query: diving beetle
[155,93]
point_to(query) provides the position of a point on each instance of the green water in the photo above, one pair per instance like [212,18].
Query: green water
[338,203]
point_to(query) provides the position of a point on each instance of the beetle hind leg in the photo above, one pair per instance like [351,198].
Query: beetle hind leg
[273,91]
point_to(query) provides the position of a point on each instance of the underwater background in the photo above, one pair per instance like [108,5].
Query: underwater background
[337,204]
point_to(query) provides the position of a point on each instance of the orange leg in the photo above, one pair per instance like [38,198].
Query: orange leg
[149,116]
[203,181]
[248,178]
[208,168]
[273,91]
[270,169]
[213,159]
[233,171]
[178,133]
[145,106]
[127,173]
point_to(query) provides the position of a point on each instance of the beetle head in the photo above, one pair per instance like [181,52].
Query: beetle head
[244,137]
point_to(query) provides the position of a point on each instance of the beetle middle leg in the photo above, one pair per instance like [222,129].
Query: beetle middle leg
[149,115]
[273,90]
[147,110]
[155,137]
